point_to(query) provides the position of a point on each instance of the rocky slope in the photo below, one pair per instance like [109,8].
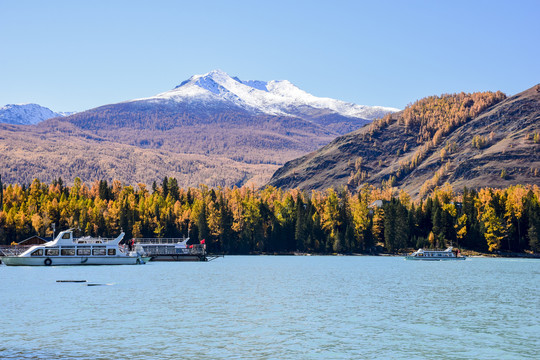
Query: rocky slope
[468,140]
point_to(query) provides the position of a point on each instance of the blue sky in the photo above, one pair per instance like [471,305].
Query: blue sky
[76,55]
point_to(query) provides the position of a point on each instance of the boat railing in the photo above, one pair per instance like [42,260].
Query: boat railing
[154,249]
[93,240]
[160,241]
[13,250]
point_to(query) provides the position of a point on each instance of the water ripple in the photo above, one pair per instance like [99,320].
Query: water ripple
[274,308]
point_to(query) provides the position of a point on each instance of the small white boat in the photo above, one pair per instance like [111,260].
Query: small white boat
[435,255]
[67,250]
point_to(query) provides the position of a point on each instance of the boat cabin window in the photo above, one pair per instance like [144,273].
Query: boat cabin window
[38,252]
[83,251]
[98,251]
[111,252]
[66,236]
[51,252]
[67,252]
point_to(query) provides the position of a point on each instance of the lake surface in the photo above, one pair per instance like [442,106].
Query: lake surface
[274,307]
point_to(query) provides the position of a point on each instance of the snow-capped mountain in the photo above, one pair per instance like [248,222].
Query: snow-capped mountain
[211,129]
[217,89]
[27,114]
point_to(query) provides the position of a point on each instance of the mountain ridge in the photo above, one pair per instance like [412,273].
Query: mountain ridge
[495,147]
[222,133]
[27,114]
[275,97]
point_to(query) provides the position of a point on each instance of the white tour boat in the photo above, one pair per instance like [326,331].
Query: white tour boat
[435,255]
[67,250]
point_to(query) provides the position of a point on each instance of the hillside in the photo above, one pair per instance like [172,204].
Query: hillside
[67,152]
[212,129]
[473,140]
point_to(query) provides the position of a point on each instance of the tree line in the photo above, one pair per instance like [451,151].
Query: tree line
[246,220]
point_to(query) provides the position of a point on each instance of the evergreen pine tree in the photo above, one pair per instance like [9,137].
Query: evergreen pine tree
[349,239]
[300,226]
[534,240]
[170,228]
[225,225]
[437,223]
[317,233]
[103,189]
[165,187]
[309,241]
[202,223]
[339,242]
[390,227]
[1,193]
[402,226]
[61,184]
[413,228]
[174,191]
[534,223]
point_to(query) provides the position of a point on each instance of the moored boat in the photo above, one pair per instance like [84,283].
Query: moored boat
[436,255]
[171,249]
[67,250]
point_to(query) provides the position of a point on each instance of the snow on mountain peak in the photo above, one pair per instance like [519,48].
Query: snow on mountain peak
[276,97]
[27,114]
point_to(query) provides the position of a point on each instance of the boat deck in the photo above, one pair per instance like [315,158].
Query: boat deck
[169,249]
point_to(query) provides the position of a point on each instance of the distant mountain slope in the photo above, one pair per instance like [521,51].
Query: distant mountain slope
[216,98]
[68,152]
[242,130]
[27,114]
[469,140]
[217,90]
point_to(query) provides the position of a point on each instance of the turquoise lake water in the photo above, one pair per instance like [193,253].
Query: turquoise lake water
[275,307]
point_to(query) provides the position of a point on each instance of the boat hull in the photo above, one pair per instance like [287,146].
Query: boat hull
[178,258]
[75,260]
[420,258]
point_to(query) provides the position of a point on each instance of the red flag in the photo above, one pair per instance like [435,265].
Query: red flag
[202,241]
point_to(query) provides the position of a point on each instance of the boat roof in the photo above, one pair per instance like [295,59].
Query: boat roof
[66,238]
[449,249]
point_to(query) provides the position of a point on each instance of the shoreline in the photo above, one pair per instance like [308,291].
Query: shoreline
[464,253]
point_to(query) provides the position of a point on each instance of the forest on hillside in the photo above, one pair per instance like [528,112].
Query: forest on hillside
[467,139]
[426,123]
[245,220]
